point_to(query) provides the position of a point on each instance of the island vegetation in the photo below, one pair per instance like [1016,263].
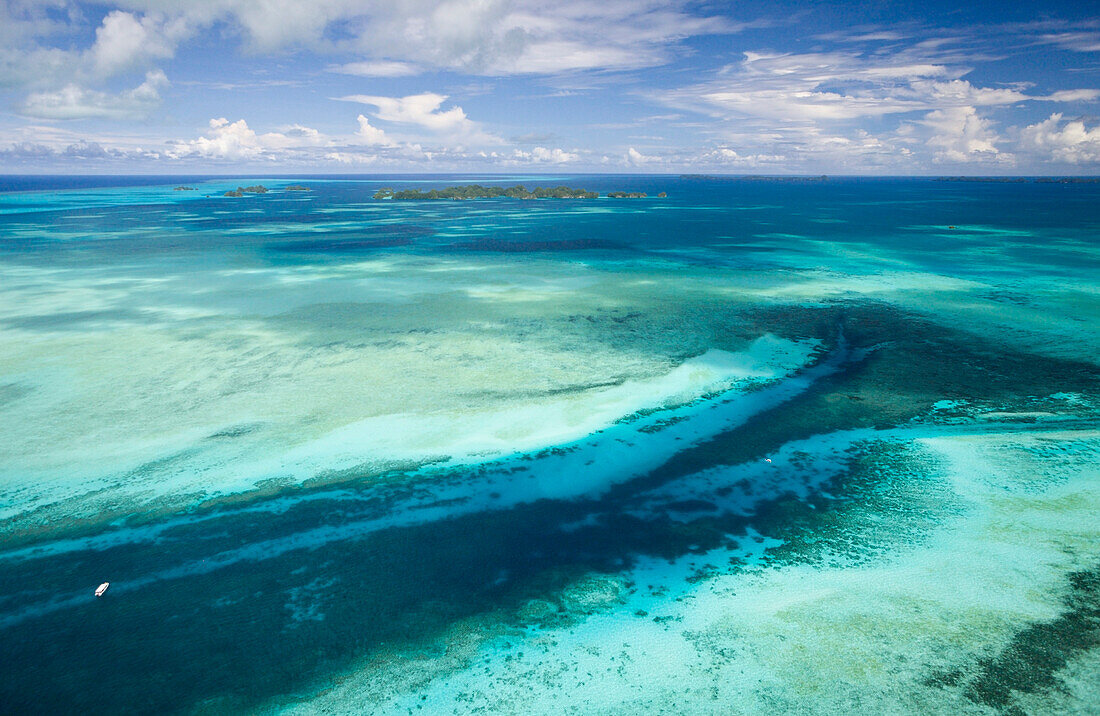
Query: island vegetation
[754,177]
[989,180]
[242,190]
[1023,180]
[185,188]
[296,187]
[477,191]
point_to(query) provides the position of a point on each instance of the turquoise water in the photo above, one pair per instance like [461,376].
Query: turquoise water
[753,447]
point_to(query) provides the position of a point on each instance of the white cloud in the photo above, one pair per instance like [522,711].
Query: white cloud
[299,136]
[808,87]
[960,135]
[226,141]
[35,68]
[1071,142]
[838,86]
[960,93]
[1078,95]
[492,37]
[371,135]
[75,102]
[810,106]
[847,85]
[544,155]
[123,41]
[268,25]
[1080,41]
[727,156]
[420,109]
[425,111]
[351,157]
[636,159]
[25,58]
[237,141]
[377,69]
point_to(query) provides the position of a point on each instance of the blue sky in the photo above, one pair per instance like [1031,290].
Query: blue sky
[225,86]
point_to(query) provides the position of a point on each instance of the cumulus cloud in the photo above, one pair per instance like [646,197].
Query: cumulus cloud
[124,41]
[371,135]
[635,158]
[809,105]
[237,141]
[27,152]
[267,25]
[75,102]
[62,146]
[864,97]
[1070,142]
[225,141]
[960,135]
[424,111]
[544,155]
[26,59]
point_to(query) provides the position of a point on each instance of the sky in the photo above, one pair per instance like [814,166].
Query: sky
[529,86]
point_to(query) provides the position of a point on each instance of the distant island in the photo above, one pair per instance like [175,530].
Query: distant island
[1023,180]
[185,188]
[241,191]
[296,187]
[477,191]
[753,177]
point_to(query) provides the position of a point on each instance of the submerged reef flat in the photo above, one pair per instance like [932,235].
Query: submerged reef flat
[817,454]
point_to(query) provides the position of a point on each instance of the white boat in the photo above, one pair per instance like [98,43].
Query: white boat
[101,589]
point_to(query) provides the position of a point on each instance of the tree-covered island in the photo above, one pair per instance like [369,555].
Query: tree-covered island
[477,191]
[242,190]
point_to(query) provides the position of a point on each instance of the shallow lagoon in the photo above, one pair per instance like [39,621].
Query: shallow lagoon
[351,456]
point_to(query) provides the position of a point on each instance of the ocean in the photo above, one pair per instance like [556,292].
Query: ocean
[815,445]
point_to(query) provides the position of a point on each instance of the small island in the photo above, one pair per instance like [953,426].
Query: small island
[242,190]
[984,180]
[296,187]
[754,177]
[477,191]
[1023,180]
[184,188]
